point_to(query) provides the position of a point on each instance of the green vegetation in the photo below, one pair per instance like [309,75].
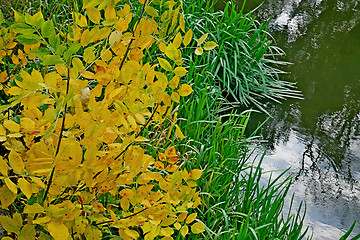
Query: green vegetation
[235,204]
[246,63]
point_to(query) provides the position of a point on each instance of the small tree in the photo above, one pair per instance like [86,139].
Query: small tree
[79,98]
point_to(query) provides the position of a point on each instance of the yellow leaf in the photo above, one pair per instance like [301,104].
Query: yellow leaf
[174,82]
[14,90]
[182,22]
[151,11]
[188,37]
[202,39]
[115,37]
[11,125]
[124,203]
[172,168]
[77,65]
[185,90]
[180,71]
[170,152]
[105,54]
[28,232]
[175,97]
[140,118]
[191,218]
[182,216]
[57,230]
[87,74]
[92,233]
[26,124]
[210,45]
[132,233]
[80,19]
[3,167]
[16,162]
[184,230]
[3,77]
[159,165]
[177,226]
[10,185]
[167,232]
[195,174]
[165,64]
[7,197]
[126,193]
[197,228]
[199,51]
[171,51]
[179,132]
[32,209]
[11,225]
[25,187]
[89,55]
[177,40]
[94,15]
[98,206]
[168,221]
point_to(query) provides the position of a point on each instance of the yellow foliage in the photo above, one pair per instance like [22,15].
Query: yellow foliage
[77,162]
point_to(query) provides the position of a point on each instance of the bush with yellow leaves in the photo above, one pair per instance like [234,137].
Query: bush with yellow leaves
[79,98]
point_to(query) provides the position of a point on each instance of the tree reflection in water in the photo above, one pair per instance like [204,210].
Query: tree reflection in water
[319,136]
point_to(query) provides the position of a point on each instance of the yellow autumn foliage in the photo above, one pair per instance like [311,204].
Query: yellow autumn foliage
[78,105]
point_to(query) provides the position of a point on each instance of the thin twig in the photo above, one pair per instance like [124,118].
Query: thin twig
[60,137]
[138,134]
[131,41]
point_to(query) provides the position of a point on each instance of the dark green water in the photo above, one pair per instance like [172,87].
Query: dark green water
[318,137]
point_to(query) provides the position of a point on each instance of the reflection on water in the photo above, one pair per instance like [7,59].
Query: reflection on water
[319,137]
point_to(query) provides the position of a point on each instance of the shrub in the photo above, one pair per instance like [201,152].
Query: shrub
[78,99]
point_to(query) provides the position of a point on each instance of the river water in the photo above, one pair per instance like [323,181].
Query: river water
[318,137]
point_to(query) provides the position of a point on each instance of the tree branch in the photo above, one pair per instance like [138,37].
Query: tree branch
[131,41]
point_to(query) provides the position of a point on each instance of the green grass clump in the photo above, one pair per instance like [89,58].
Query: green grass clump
[235,205]
[245,63]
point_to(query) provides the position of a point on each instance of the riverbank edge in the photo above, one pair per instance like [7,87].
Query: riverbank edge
[235,206]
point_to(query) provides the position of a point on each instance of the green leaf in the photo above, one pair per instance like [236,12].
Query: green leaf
[1,17]
[28,19]
[48,29]
[74,47]
[28,39]
[39,52]
[51,60]
[38,20]
[19,17]
[22,28]
[60,50]
[54,40]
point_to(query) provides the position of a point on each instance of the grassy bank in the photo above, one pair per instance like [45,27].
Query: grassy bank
[244,70]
